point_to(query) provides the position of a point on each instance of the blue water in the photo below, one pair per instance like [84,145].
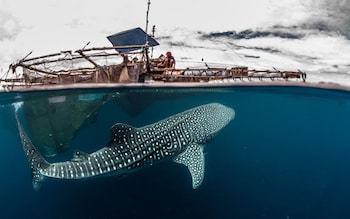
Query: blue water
[285,155]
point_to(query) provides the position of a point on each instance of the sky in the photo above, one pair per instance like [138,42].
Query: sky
[48,26]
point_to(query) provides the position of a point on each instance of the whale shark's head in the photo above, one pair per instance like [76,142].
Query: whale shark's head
[220,116]
[210,119]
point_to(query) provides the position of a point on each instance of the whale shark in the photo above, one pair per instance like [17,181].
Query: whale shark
[180,138]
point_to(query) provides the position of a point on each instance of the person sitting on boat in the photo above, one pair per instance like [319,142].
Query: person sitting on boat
[168,62]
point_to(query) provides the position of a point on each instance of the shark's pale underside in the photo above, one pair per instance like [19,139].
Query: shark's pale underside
[180,137]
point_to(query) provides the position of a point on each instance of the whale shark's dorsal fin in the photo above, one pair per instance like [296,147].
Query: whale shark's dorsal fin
[119,132]
[193,158]
[80,156]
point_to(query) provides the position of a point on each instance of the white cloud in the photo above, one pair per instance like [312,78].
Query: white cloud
[9,26]
[335,14]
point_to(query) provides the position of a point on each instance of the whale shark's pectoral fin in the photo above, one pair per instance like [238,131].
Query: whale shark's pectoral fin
[193,158]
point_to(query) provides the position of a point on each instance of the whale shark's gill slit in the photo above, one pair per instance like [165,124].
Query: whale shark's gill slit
[180,137]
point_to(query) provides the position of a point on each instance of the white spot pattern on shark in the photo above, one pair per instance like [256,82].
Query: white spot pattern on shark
[180,137]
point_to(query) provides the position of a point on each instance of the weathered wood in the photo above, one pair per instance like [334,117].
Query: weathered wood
[36,69]
[113,48]
[88,58]
[41,57]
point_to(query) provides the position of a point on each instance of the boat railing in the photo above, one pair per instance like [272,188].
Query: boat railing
[235,73]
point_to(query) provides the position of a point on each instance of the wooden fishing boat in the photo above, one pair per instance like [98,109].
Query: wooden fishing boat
[107,65]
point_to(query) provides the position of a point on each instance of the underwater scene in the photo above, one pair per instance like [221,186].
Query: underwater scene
[174,152]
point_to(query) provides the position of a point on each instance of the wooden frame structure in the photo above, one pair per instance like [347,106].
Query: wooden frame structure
[106,65]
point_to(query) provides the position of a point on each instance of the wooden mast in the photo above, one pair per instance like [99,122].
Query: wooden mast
[147,46]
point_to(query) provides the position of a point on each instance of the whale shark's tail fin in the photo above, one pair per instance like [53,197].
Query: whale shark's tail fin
[35,160]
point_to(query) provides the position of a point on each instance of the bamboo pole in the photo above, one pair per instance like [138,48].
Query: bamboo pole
[88,58]
[35,69]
